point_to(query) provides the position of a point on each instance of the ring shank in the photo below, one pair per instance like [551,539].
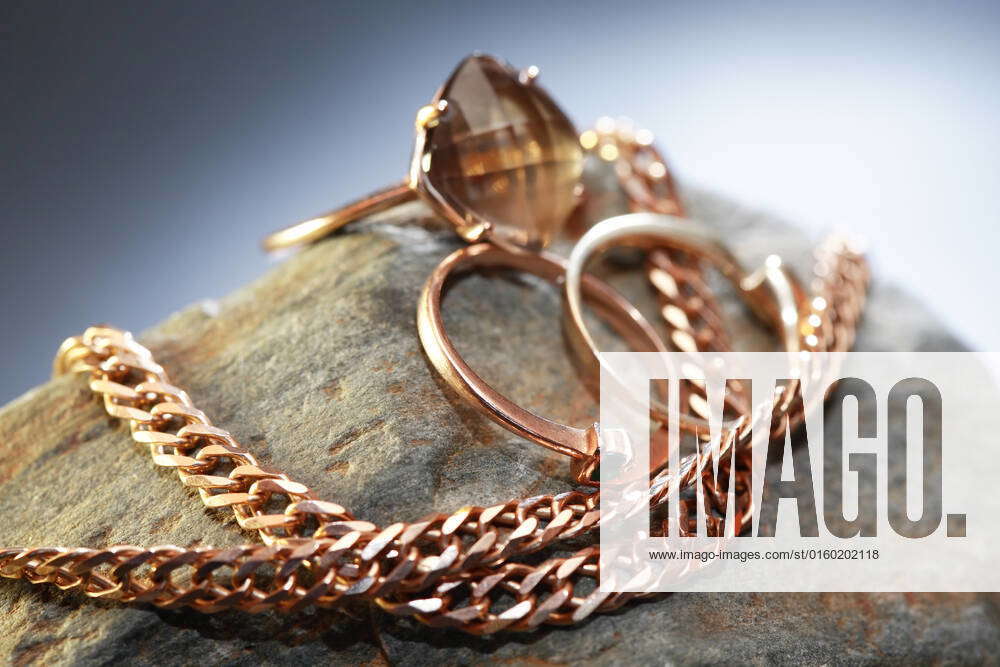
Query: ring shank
[770,292]
[577,443]
[316,228]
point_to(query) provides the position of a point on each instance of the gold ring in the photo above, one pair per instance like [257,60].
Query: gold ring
[771,292]
[494,155]
[580,444]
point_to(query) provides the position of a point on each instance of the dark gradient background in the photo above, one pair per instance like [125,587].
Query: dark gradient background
[146,147]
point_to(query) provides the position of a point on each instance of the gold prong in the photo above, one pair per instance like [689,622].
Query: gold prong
[429,114]
[476,233]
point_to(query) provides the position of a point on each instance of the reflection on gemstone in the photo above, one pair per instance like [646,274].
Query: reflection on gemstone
[504,153]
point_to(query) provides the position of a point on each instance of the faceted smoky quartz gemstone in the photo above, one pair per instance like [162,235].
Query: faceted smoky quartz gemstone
[503,152]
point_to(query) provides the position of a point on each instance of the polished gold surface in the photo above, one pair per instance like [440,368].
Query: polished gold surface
[641,167]
[493,154]
[577,443]
[447,570]
[770,291]
[498,159]
[314,229]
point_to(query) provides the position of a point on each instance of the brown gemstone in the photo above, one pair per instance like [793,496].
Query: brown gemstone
[503,153]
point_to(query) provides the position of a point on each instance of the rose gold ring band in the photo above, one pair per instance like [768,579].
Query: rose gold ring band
[314,229]
[771,292]
[577,443]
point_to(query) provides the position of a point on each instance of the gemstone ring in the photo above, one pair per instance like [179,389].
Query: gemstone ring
[494,155]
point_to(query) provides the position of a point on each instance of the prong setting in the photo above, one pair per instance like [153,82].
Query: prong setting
[429,114]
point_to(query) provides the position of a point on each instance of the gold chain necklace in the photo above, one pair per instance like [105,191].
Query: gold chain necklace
[449,570]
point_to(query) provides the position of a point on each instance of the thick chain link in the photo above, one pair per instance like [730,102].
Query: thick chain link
[136,389]
[446,570]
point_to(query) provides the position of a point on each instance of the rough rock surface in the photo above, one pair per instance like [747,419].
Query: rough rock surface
[317,368]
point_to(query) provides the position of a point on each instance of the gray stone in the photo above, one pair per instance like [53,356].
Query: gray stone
[317,368]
